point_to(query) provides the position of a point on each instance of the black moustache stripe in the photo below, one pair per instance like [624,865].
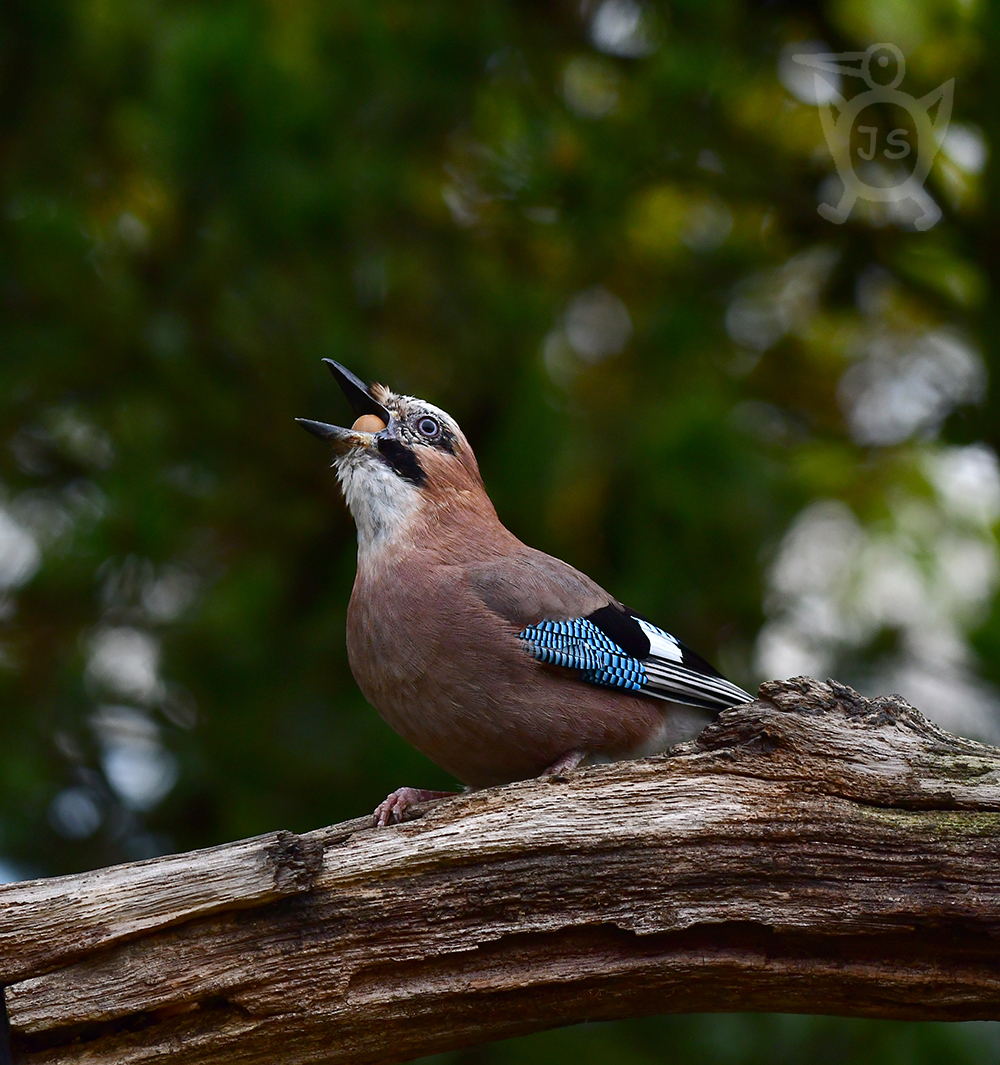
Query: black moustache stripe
[402,461]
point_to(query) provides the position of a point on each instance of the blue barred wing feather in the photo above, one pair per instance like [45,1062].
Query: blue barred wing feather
[615,648]
[580,644]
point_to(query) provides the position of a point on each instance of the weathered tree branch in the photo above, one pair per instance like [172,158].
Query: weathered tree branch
[813,852]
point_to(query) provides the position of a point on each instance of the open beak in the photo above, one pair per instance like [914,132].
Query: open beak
[362,403]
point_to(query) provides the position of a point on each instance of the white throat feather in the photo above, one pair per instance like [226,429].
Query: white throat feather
[381,502]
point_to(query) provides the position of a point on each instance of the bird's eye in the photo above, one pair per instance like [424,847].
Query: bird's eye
[428,427]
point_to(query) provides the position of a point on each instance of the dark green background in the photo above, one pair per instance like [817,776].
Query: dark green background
[198,201]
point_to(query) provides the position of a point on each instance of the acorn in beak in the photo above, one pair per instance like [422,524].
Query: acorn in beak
[370,416]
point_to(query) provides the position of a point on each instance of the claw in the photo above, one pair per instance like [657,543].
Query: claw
[563,764]
[393,808]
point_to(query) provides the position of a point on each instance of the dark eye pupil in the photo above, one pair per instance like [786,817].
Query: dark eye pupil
[428,427]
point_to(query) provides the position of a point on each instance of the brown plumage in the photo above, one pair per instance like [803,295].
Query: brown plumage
[443,598]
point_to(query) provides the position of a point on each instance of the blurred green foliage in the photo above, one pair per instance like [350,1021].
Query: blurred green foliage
[744,1039]
[198,201]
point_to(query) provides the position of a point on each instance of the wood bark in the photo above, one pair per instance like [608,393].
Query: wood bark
[812,852]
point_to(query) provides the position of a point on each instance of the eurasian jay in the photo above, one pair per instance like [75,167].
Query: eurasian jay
[495,660]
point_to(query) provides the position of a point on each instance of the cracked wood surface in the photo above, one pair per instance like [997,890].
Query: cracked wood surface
[72,916]
[812,852]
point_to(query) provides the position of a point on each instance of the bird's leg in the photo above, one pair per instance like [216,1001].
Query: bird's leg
[563,764]
[392,809]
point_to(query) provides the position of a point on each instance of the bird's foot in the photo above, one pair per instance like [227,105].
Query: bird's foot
[392,809]
[563,764]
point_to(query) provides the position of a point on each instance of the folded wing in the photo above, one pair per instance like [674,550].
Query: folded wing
[616,648]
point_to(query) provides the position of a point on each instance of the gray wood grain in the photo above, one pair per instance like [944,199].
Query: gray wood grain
[813,852]
[47,923]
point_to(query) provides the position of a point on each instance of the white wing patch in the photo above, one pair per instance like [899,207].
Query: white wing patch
[667,677]
[661,644]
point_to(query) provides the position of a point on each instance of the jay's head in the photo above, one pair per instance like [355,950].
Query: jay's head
[400,456]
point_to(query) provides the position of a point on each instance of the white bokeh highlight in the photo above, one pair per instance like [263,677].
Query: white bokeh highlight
[906,387]
[806,84]
[928,572]
[139,769]
[966,147]
[623,28]
[770,304]
[597,324]
[125,660]
[20,555]
[75,814]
